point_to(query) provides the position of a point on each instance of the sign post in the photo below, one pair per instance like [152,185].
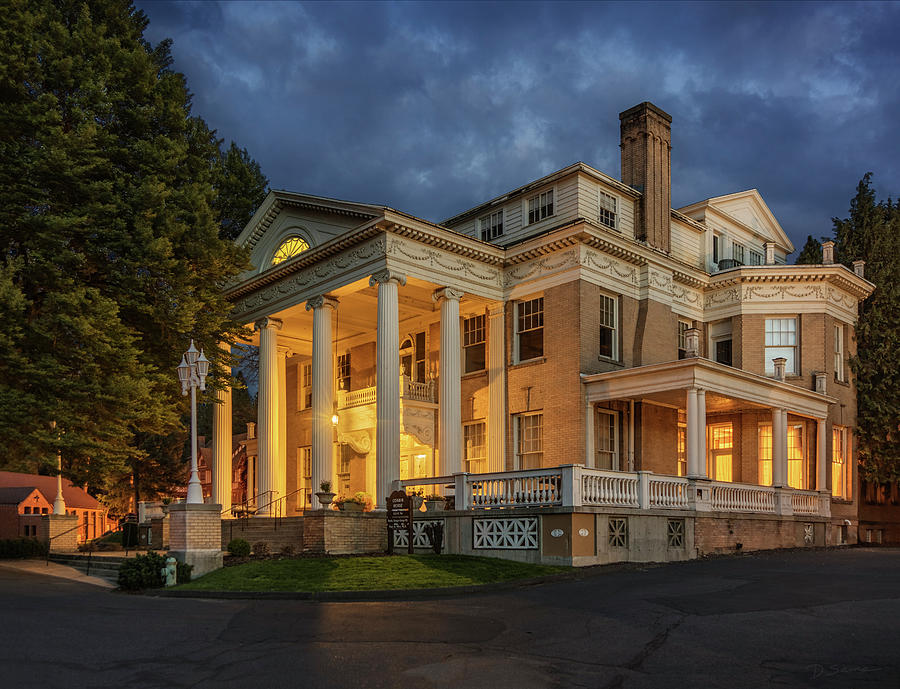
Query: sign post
[399,517]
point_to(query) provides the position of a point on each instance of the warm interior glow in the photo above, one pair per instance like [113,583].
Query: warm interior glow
[290,247]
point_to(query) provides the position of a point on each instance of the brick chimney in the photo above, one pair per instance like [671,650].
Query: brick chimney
[646,142]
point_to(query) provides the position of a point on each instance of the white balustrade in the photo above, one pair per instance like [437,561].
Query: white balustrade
[409,390]
[669,492]
[805,502]
[541,487]
[612,488]
[737,497]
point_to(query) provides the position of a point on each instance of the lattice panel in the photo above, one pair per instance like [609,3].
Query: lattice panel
[420,539]
[505,534]
[675,533]
[808,533]
[618,532]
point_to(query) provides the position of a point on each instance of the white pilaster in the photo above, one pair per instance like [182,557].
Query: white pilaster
[387,393]
[450,443]
[496,390]
[221,445]
[322,390]
[821,457]
[267,413]
[590,458]
[701,433]
[281,457]
[779,448]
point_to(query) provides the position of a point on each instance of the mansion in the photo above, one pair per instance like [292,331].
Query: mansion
[664,358]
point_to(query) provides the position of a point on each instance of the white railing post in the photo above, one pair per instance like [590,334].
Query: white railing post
[396,485]
[571,488]
[783,503]
[700,495]
[461,491]
[824,504]
[644,489]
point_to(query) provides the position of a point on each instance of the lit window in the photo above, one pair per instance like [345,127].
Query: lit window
[841,476]
[608,327]
[304,460]
[305,386]
[755,258]
[540,207]
[796,457]
[492,226]
[290,247]
[721,442]
[530,328]
[474,447]
[681,450]
[839,353]
[607,209]
[346,454]
[765,454]
[781,341]
[412,357]
[529,441]
[343,371]
[473,343]
[607,446]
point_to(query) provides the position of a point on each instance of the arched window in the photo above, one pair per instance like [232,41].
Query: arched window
[289,248]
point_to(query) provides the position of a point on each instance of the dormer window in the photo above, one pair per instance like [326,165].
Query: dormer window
[290,247]
[540,207]
[607,208]
[492,226]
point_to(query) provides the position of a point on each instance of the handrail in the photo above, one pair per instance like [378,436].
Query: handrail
[246,503]
[279,503]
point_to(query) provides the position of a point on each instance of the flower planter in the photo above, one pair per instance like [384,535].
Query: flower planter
[434,505]
[352,507]
[325,499]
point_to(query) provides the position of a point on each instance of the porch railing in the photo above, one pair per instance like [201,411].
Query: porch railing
[409,390]
[574,485]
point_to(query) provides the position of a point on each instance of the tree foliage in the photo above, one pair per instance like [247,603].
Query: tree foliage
[872,233]
[240,189]
[111,258]
[811,253]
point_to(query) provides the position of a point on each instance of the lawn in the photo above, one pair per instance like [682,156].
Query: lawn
[367,573]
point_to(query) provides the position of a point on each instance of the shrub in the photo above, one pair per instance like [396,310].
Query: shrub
[21,547]
[325,487]
[261,548]
[142,572]
[239,547]
[183,572]
[287,550]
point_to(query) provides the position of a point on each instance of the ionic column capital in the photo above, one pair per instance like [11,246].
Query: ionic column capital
[447,293]
[323,300]
[268,322]
[387,275]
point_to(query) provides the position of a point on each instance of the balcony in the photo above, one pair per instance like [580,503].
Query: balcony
[410,390]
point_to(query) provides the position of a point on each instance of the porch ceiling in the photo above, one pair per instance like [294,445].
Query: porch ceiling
[728,389]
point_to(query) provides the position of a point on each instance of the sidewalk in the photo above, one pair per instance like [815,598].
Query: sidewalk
[36,566]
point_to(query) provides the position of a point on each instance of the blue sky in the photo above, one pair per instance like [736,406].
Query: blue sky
[432,108]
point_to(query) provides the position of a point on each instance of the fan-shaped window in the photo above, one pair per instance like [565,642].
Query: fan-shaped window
[289,248]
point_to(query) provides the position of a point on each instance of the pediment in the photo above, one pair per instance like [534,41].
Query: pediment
[746,209]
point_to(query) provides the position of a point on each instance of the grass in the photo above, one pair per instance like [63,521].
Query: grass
[367,573]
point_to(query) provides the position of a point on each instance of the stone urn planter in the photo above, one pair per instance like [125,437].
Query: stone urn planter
[325,499]
[434,505]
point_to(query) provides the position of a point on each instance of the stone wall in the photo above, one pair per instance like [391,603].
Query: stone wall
[60,530]
[195,535]
[730,534]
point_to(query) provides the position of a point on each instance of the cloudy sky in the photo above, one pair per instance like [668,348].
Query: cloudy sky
[432,108]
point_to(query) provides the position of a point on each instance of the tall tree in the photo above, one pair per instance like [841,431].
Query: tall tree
[811,253]
[872,233]
[110,255]
[240,189]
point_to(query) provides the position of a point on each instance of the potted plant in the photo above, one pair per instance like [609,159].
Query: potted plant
[325,495]
[357,503]
[417,499]
[434,503]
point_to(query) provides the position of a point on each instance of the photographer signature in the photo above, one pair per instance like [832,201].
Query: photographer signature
[819,671]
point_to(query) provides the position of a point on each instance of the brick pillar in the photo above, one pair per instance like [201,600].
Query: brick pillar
[195,536]
[60,530]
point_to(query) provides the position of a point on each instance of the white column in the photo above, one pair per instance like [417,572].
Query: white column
[267,412]
[450,443]
[821,457]
[693,465]
[496,389]
[221,444]
[387,392]
[779,448]
[701,433]
[322,390]
[590,458]
[281,466]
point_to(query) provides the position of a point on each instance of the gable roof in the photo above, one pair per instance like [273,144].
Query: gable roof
[75,497]
[15,495]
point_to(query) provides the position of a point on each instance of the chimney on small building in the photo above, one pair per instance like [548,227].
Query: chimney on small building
[859,267]
[646,133]
[770,253]
[827,253]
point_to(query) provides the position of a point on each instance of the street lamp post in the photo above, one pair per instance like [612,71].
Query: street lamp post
[192,373]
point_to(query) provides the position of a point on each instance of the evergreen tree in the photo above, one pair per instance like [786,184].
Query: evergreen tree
[811,253]
[110,256]
[872,233]
[240,189]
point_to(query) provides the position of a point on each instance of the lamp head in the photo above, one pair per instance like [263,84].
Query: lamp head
[202,369]
[191,354]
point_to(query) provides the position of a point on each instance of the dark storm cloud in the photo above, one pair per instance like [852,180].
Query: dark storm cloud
[432,108]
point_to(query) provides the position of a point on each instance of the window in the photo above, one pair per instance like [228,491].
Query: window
[755,258]
[607,443]
[841,476]
[737,253]
[608,327]
[681,449]
[765,454]
[290,247]
[473,343]
[540,207]
[720,442]
[839,353]
[723,351]
[343,474]
[343,371]
[529,441]
[607,215]
[781,341]
[412,357]
[720,341]
[27,509]
[492,226]
[305,386]
[474,447]
[796,457]
[530,328]
[304,461]
[716,249]
[683,327]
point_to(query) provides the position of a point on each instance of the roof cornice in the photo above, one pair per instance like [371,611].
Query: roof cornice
[836,274]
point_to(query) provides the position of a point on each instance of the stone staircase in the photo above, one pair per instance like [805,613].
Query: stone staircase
[103,567]
[278,532]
